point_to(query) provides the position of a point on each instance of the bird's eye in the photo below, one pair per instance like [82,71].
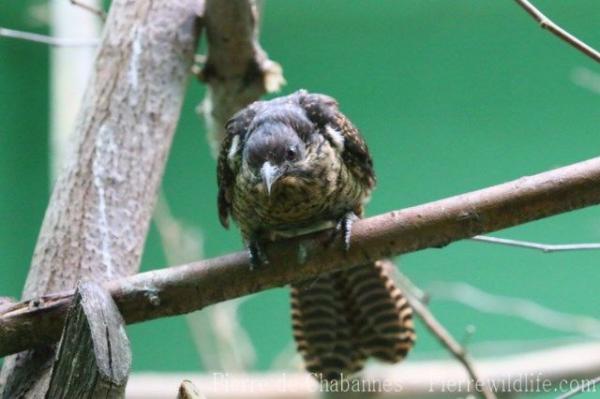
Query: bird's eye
[290,154]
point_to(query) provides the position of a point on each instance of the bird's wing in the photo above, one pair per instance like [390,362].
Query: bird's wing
[355,153]
[324,112]
[230,158]
[225,181]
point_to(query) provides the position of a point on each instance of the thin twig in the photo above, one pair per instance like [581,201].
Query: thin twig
[581,389]
[457,350]
[49,40]
[515,307]
[536,245]
[96,11]
[550,26]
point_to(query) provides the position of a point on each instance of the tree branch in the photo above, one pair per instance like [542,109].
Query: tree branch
[96,222]
[190,287]
[49,40]
[237,70]
[94,355]
[94,10]
[441,333]
[457,350]
[556,30]
[536,245]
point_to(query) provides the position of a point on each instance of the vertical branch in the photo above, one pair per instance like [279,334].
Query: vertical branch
[99,212]
[237,70]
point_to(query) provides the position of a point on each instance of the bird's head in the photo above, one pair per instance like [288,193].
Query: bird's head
[276,142]
[290,148]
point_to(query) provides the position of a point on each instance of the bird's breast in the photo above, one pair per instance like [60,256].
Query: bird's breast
[296,202]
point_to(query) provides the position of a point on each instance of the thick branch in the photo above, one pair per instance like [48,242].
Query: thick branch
[237,70]
[98,216]
[190,287]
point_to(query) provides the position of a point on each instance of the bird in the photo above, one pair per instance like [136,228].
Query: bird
[294,165]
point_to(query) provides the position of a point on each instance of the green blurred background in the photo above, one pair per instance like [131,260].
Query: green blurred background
[451,95]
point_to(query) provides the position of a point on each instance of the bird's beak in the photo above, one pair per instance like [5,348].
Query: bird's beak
[270,174]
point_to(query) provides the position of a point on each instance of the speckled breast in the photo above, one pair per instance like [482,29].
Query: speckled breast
[323,190]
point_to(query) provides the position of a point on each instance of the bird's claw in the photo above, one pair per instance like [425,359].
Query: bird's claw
[258,258]
[344,226]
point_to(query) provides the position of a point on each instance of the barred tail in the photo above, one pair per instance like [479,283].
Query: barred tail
[322,330]
[382,322]
[342,318]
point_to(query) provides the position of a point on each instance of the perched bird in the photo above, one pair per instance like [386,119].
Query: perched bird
[294,165]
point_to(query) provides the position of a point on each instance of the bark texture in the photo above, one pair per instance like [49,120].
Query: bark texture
[190,287]
[237,70]
[94,357]
[99,212]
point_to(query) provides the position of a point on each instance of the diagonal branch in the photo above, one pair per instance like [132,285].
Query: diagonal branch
[98,216]
[448,341]
[413,294]
[90,8]
[190,287]
[556,30]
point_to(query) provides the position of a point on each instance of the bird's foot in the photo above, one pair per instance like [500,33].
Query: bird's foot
[258,258]
[344,226]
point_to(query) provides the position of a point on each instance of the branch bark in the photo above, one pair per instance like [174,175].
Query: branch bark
[237,70]
[99,212]
[94,356]
[190,287]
